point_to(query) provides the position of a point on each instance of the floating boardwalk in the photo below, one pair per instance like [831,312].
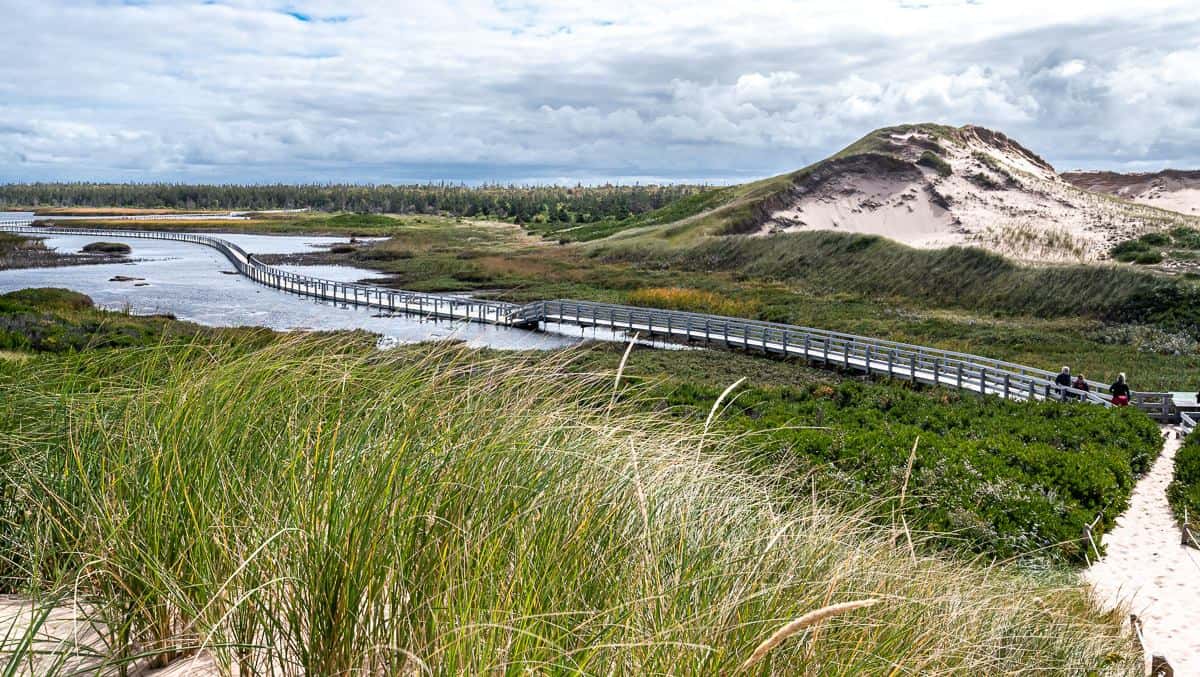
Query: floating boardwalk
[826,348]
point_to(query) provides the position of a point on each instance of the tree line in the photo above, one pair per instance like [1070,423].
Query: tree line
[523,204]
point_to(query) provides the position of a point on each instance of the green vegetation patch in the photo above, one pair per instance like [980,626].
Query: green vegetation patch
[110,248]
[59,320]
[934,161]
[1184,490]
[994,477]
[1181,243]
[955,277]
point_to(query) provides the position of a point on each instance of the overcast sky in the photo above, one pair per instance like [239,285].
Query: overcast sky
[561,90]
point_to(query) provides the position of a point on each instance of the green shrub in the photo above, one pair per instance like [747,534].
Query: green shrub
[934,161]
[43,298]
[1185,238]
[1148,258]
[1155,239]
[111,248]
[1129,250]
[59,320]
[1147,249]
[1005,478]
[1184,491]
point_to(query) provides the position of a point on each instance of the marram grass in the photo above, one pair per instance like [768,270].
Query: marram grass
[312,507]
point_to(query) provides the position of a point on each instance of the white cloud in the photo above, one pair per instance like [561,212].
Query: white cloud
[376,90]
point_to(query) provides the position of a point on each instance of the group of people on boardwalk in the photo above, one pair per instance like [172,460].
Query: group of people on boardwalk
[1119,389]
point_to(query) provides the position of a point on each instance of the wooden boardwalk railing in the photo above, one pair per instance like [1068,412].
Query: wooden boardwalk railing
[828,348]
[831,349]
[428,305]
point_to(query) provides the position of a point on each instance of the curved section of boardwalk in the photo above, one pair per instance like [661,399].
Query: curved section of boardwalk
[831,349]
[428,305]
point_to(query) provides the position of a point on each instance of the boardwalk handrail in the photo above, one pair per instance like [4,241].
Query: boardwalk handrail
[913,362]
[849,351]
[429,305]
[1187,422]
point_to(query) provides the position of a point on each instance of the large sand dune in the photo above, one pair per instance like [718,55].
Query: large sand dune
[931,186]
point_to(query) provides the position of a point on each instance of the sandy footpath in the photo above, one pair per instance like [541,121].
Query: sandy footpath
[1147,568]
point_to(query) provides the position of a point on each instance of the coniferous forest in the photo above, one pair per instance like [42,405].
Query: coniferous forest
[562,204]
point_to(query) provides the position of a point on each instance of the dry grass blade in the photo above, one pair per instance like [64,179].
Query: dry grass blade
[808,619]
[912,456]
[717,405]
[621,369]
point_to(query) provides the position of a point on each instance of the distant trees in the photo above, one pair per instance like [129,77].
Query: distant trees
[523,204]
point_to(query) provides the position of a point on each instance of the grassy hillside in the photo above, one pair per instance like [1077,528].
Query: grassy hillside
[445,512]
[953,277]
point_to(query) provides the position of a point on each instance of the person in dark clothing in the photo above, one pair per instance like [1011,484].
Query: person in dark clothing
[1081,384]
[1120,391]
[1063,379]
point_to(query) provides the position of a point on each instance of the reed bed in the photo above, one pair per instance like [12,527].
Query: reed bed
[314,507]
[693,300]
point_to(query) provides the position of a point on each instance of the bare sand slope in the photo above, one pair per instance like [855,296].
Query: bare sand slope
[930,186]
[1147,568]
[1174,190]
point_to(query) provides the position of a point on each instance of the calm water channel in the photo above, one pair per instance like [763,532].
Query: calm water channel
[198,284]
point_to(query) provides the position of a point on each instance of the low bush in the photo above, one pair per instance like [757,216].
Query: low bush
[934,161]
[1000,478]
[110,248]
[1185,238]
[1148,258]
[1149,248]
[1184,491]
[43,298]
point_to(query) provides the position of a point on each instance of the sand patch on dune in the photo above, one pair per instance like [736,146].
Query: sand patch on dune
[899,208]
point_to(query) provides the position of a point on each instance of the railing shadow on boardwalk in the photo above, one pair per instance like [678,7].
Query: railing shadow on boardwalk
[830,349]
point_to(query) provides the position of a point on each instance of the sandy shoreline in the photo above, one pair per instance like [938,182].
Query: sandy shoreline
[1148,569]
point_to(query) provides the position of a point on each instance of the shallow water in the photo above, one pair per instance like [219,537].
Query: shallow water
[191,282]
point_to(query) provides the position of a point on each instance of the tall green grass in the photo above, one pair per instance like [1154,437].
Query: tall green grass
[953,277]
[311,507]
